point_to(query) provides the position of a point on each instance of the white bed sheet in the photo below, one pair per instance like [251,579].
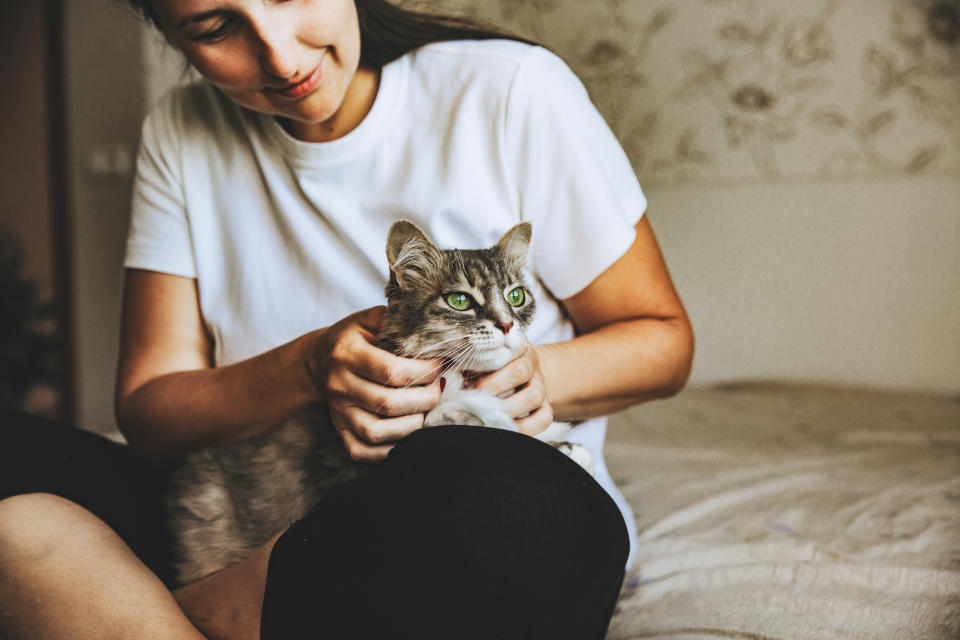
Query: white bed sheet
[791,512]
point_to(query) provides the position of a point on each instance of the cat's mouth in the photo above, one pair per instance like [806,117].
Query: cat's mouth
[489,359]
[479,353]
[490,351]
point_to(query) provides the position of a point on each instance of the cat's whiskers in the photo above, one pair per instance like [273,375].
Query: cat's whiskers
[459,356]
[447,359]
[438,356]
[471,357]
[442,356]
[413,383]
[442,366]
[433,346]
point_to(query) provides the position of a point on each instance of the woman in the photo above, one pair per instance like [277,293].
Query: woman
[260,211]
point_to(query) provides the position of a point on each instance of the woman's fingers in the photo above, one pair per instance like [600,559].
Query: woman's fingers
[537,421]
[375,397]
[384,368]
[370,319]
[369,438]
[514,374]
[371,417]
[350,390]
[361,451]
[530,408]
[526,400]
[350,345]
[353,350]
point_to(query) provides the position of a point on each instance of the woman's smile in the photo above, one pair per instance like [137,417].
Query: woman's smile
[300,88]
[297,61]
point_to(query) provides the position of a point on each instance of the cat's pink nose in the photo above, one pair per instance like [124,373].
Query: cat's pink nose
[505,327]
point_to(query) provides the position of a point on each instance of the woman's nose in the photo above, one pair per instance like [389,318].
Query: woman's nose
[278,48]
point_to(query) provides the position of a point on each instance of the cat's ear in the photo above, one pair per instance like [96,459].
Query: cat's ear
[410,254]
[515,243]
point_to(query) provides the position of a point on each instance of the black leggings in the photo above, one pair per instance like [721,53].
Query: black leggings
[463,532]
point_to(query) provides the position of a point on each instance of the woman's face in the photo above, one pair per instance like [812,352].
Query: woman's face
[295,59]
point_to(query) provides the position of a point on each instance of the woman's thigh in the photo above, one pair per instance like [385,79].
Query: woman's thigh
[104,477]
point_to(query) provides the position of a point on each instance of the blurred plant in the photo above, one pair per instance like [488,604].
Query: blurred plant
[29,348]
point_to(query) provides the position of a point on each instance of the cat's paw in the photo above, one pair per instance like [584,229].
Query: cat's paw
[446,416]
[499,421]
[477,408]
[578,453]
[556,432]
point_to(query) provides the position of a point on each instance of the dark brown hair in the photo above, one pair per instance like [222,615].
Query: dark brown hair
[388,31]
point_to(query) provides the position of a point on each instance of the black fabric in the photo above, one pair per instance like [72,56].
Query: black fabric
[106,478]
[463,532]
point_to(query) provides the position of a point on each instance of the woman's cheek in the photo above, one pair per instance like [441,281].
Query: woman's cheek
[224,67]
[227,72]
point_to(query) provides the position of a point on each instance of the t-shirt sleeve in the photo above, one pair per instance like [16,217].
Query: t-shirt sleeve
[159,237]
[575,183]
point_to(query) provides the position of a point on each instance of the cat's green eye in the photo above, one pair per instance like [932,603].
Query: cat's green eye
[459,301]
[516,297]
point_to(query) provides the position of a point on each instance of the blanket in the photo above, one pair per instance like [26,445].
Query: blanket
[791,512]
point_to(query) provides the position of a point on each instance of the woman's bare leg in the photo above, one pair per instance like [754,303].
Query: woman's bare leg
[66,574]
[227,604]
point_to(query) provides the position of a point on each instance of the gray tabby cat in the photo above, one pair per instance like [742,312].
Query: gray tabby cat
[469,308]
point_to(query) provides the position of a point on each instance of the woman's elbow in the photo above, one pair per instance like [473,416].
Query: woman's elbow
[136,428]
[681,350]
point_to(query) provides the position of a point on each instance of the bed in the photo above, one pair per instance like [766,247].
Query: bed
[791,512]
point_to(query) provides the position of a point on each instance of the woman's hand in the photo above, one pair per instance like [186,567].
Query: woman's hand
[528,405]
[375,397]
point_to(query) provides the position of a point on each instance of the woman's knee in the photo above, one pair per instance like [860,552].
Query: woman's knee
[44,537]
[516,483]
[469,521]
[65,573]
[29,526]
[29,515]
[33,526]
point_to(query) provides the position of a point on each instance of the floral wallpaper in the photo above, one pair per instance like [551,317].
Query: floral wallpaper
[758,90]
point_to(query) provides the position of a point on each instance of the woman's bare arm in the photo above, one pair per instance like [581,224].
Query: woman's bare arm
[171,399]
[634,342]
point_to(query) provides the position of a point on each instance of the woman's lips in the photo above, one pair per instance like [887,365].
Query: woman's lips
[302,88]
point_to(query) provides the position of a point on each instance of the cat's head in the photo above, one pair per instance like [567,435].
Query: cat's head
[470,306]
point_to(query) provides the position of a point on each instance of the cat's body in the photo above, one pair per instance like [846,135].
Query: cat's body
[467,307]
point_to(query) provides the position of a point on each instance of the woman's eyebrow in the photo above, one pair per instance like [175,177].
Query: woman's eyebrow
[197,17]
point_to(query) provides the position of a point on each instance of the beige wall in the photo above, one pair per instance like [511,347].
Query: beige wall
[855,282]
[105,96]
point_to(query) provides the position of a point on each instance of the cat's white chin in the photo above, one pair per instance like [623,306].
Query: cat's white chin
[491,359]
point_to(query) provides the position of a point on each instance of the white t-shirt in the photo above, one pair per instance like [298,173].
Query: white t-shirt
[464,138]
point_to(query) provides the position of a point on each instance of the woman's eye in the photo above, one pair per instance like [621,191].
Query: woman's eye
[216,32]
[516,297]
[459,301]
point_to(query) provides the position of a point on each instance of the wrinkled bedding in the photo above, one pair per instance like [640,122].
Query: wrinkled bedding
[791,512]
